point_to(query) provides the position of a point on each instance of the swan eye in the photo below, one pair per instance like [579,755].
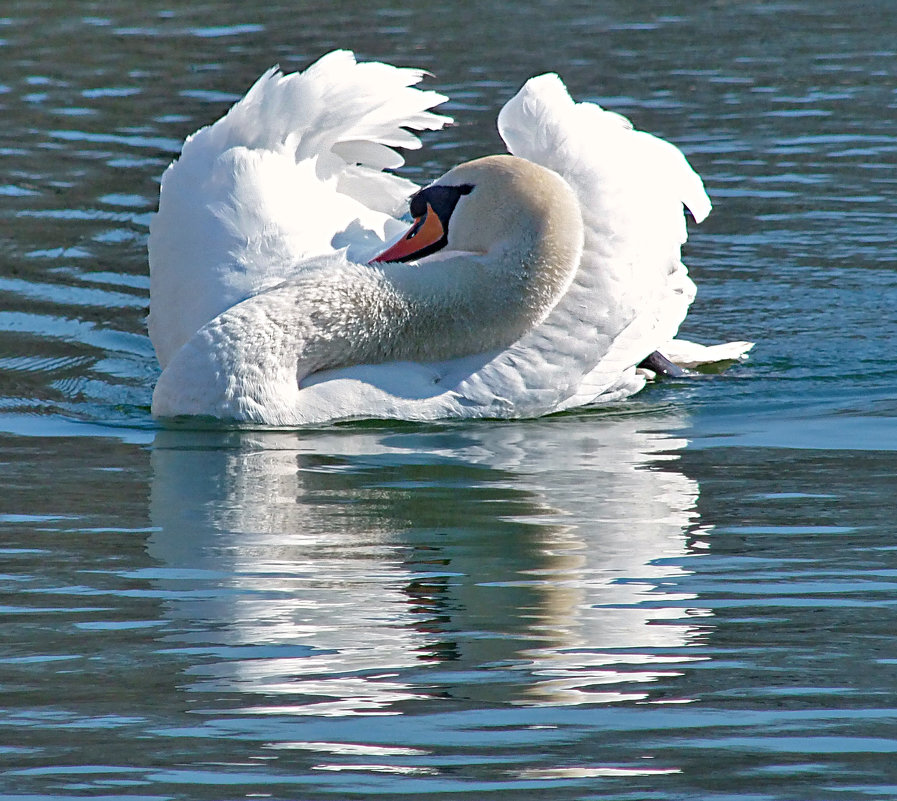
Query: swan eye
[429,224]
[412,231]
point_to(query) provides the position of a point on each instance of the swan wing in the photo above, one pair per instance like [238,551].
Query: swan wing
[294,170]
[628,298]
[631,291]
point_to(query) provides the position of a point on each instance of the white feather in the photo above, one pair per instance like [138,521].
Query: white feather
[293,173]
[289,168]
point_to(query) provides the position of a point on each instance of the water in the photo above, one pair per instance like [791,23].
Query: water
[689,596]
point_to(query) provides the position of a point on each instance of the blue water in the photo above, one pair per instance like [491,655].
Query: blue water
[690,595]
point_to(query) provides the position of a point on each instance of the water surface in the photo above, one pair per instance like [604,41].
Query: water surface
[687,596]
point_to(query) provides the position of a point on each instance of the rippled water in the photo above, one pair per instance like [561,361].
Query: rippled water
[689,596]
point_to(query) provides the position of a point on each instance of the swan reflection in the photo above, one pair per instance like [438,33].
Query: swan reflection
[345,571]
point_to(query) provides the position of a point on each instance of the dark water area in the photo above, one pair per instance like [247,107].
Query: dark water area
[691,595]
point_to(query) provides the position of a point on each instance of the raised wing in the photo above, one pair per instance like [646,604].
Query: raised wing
[294,169]
[632,291]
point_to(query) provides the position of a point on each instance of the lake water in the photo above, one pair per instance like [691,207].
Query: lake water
[692,595]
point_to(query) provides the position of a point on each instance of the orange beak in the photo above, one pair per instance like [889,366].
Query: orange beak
[426,231]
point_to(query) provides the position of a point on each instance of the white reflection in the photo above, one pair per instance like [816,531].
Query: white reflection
[344,571]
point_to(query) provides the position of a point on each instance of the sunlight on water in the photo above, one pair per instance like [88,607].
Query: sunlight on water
[688,596]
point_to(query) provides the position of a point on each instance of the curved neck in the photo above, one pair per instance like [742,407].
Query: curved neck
[249,362]
[460,304]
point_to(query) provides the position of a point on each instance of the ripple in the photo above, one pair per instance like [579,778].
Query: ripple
[688,598]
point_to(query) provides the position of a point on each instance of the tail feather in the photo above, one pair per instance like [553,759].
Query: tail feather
[691,354]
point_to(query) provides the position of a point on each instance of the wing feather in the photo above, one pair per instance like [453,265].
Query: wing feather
[632,291]
[293,170]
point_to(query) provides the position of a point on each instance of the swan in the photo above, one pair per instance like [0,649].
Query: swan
[286,290]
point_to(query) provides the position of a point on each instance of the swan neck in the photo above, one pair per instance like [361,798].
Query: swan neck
[250,361]
[474,302]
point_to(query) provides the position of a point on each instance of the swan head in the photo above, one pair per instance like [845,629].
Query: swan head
[489,204]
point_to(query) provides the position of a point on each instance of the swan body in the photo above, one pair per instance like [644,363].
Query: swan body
[529,283]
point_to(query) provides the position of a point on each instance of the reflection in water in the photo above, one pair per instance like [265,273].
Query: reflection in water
[344,571]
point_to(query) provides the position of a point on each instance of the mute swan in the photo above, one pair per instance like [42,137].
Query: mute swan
[283,290]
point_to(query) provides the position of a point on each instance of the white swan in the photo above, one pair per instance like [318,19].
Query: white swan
[528,283]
